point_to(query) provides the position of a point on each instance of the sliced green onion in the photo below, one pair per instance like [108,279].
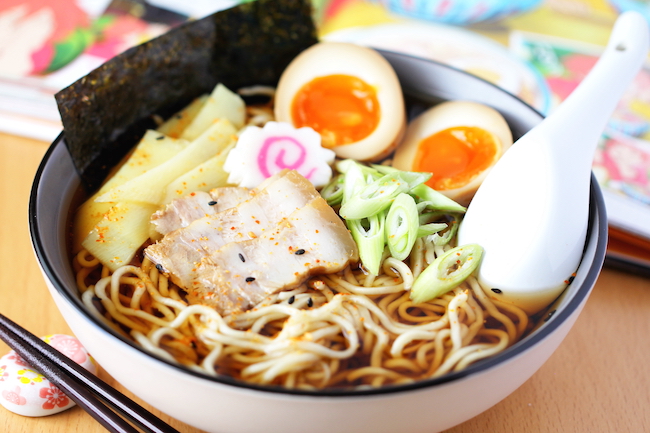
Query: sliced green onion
[429,229]
[354,182]
[378,195]
[437,200]
[373,198]
[401,226]
[429,217]
[424,205]
[333,191]
[344,165]
[414,178]
[384,205]
[449,234]
[446,272]
[384,169]
[369,236]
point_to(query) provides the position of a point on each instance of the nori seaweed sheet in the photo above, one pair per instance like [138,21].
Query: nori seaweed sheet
[106,112]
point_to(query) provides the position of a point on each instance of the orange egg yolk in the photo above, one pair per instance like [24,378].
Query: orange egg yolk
[455,156]
[342,108]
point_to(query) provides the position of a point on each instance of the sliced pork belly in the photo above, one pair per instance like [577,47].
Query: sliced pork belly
[262,211]
[281,195]
[311,240]
[181,212]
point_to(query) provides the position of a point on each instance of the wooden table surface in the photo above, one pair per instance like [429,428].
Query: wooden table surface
[597,381]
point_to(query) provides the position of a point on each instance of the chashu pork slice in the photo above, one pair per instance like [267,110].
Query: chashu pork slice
[276,199]
[181,212]
[312,240]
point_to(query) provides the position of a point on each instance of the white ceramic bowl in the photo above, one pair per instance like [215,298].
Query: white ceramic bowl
[225,405]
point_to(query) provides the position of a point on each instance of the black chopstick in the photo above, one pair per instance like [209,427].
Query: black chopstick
[87,390]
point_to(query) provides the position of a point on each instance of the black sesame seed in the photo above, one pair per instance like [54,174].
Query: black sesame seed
[159,267]
[299,252]
[212,203]
[241,257]
[162,137]
[291,299]
[549,315]
[250,279]
[310,303]
[496,290]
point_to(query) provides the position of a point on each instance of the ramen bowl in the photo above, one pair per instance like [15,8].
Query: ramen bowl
[222,404]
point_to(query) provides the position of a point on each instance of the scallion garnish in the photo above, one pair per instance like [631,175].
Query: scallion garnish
[368,233]
[401,226]
[333,191]
[429,229]
[446,272]
[378,195]
[435,200]
[386,206]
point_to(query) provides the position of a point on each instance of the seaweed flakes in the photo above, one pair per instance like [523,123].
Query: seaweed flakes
[106,112]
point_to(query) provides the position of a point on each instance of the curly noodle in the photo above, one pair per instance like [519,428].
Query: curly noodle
[349,329]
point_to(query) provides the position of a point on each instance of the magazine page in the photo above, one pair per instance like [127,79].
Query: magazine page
[46,45]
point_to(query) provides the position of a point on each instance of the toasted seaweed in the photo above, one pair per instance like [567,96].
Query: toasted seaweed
[108,110]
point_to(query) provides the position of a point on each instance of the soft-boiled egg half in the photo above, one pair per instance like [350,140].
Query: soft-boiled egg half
[458,142]
[347,93]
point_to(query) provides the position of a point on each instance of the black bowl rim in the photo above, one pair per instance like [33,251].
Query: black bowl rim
[558,319]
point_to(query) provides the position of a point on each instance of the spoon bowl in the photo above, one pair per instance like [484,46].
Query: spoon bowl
[530,214]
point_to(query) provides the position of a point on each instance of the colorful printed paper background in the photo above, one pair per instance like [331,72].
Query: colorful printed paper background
[46,45]
[622,161]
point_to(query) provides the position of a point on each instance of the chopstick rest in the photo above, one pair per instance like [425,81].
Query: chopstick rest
[25,391]
[112,409]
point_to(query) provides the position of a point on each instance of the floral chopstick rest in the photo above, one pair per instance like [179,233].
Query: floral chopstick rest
[25,391]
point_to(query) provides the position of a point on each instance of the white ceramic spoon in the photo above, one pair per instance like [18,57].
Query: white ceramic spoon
[530,214]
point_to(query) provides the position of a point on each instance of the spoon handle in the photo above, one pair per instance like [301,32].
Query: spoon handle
[542,183]
[578,122]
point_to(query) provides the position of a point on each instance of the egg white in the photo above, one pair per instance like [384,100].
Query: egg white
[447,115]
[330,58]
